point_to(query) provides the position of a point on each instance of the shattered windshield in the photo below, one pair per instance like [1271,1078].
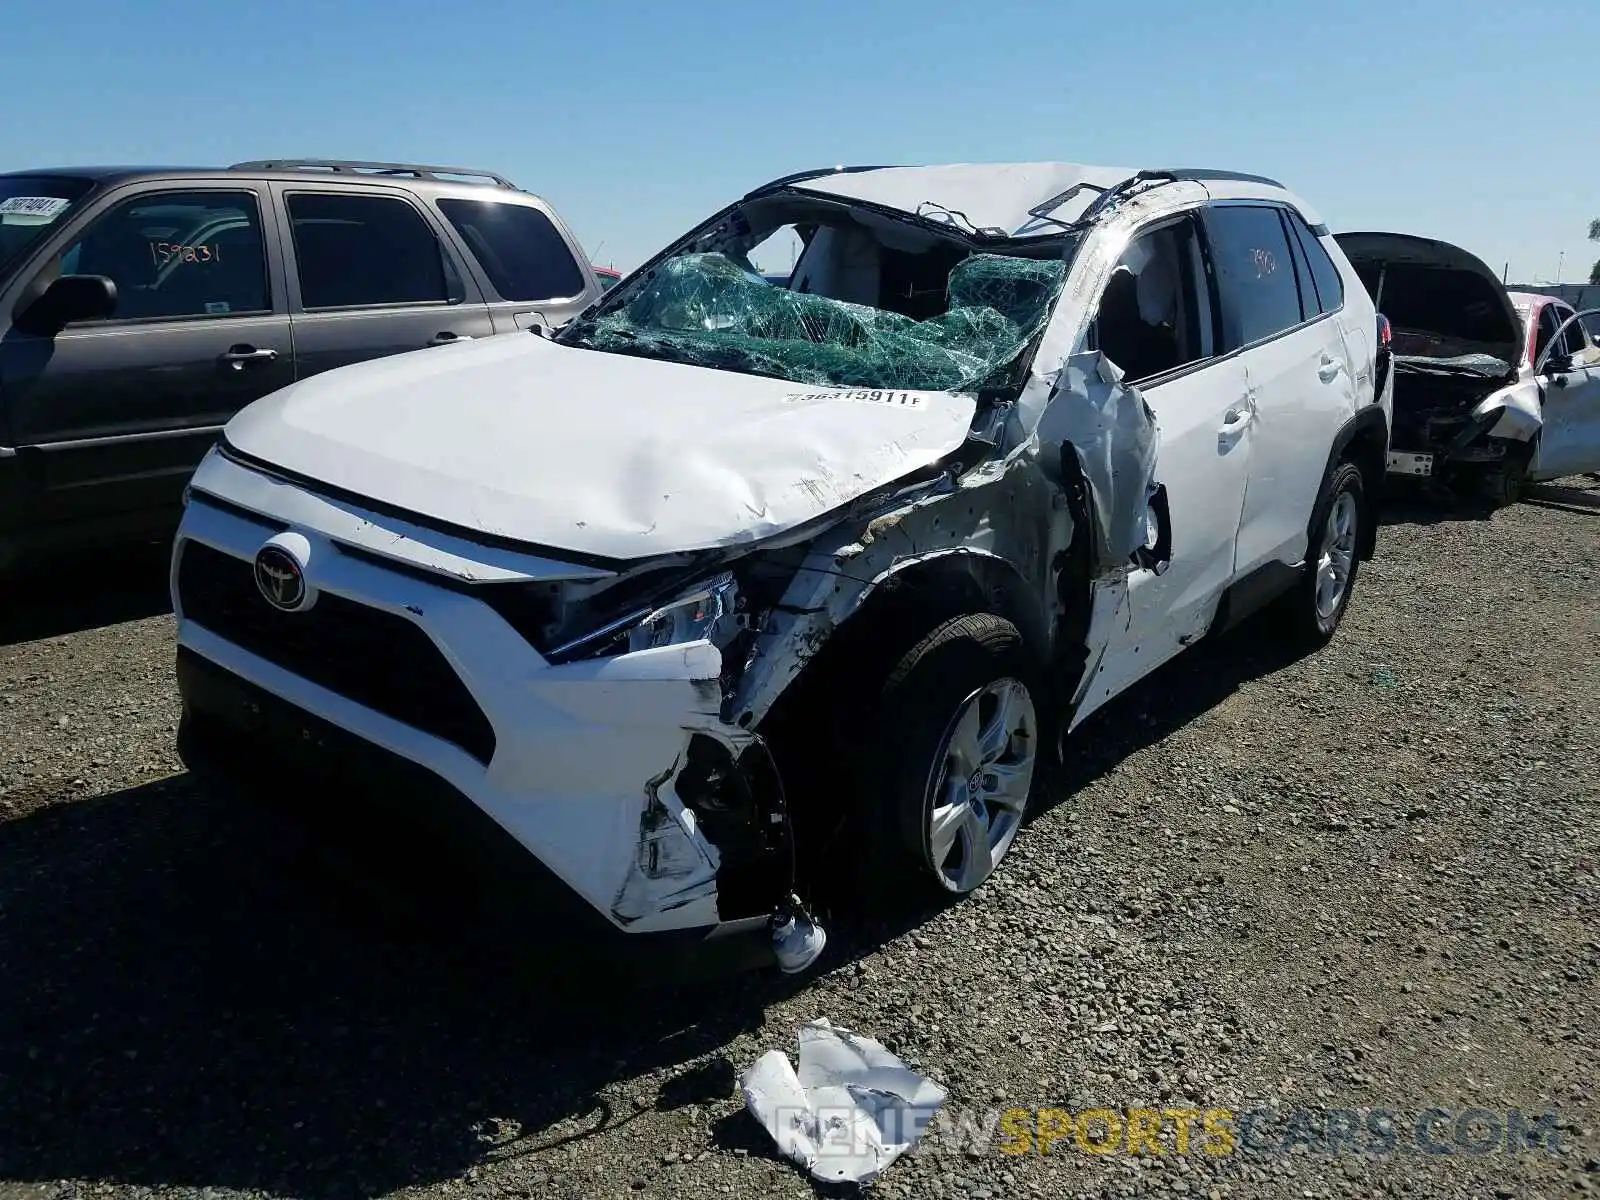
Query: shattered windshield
[871,302]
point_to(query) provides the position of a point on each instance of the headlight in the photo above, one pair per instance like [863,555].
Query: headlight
[706,612]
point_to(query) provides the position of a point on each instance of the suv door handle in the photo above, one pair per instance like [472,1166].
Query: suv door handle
[445,337]
[1328,369]
[1238,416]
[237,356]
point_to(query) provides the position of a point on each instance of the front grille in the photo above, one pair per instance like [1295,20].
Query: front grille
[373,657]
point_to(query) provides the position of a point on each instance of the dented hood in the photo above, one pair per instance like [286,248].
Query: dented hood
[597,454]
[1432,287]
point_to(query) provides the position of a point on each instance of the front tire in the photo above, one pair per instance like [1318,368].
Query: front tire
[1313,609]
[949,764]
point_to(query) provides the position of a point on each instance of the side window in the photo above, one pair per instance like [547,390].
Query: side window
[1548,324]
[1255,272]
[355,250]
[519,247]
[1572,339]
[1155,314]
[175,255]
[1325,276]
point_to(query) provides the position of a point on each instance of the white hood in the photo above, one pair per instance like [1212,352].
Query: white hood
[598,454]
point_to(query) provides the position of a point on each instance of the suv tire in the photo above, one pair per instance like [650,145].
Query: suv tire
[1313,608]
[949,763]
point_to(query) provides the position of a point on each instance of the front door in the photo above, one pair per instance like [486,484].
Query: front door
[369,277]
[1156,321]
[109,418]
[1569,441]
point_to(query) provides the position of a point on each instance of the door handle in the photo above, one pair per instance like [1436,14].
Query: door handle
[1328,369]
[445,337]
[237,356]
[1237,417]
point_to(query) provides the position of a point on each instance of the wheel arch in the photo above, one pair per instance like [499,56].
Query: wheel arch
[1364,441]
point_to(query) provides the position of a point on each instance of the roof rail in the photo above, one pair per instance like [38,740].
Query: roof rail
[341,166]
[1166,175]
[1202,174]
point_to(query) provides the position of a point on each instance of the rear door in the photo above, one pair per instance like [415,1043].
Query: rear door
[528,263]
[1301,377]
[370,275]
[109,418]
[1569,441]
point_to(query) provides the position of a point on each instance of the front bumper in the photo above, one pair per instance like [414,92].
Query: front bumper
[412,834]
[603,803]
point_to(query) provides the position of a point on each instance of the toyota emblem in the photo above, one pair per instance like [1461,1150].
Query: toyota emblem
[280,579]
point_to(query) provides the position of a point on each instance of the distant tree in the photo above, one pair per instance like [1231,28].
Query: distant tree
[1594,236]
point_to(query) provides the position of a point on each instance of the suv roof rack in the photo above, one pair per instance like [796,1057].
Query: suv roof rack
[1109,196]
[339,166]
[1202,174]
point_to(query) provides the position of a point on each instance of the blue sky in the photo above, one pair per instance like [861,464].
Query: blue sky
[637,119]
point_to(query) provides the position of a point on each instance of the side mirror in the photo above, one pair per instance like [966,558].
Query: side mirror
[70,298]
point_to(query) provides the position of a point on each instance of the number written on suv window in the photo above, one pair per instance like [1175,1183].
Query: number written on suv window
[178,254]
[1255,272]
[354,251]
[520,249]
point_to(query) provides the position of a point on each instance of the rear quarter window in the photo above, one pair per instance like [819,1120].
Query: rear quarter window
[1325,277]
[519,248]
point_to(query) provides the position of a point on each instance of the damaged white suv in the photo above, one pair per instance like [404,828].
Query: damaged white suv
[728,581]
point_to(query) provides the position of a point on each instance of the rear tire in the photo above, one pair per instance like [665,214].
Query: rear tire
[1312,610]
[949,764]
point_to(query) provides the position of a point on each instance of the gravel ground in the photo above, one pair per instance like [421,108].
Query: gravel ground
[1361,880]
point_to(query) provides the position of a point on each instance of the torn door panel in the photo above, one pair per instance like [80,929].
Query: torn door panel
[1112,433]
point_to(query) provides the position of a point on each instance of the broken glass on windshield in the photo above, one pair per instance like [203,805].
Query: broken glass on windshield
[966,319]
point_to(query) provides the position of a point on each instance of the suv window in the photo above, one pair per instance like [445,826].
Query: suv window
[1155,315]
[520,248]
[355,250]
[178,254]
[1255,272]
[1325,277]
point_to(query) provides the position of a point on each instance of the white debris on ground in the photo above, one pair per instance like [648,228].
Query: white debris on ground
[850,1108]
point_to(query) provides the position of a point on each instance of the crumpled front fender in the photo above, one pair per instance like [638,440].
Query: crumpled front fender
[1521,414]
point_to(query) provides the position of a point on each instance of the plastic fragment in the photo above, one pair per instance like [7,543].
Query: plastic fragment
[847,1111]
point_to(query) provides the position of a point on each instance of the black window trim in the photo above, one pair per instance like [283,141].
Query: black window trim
[1305,286]
[1289,215]
[488,284]
[113,200]
[292,254]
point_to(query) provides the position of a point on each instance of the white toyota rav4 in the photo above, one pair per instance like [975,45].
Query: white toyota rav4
[640,623]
